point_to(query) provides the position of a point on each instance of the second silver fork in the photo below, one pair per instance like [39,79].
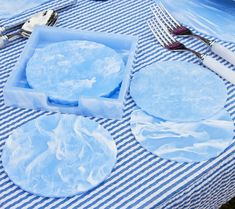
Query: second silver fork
[169,42]
[175,28]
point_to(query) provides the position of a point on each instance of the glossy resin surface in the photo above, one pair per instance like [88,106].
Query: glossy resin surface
[59,155]
[178,91]
[185,141]
[182,115]
[73,71]
[66,70]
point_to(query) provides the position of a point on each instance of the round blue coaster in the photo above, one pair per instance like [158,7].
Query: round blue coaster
[183,142]
[178,91]
[59,155]
[64,71]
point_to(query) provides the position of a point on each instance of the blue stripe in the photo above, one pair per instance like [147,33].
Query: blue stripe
[27,202]
[202,173]
[115,175]
[158,168]
[127,17]
[127,174]
[9,112]
[125,144]
[7,188]
[123,177]
[12,198]
[205,184]
[9,116]
[15,122]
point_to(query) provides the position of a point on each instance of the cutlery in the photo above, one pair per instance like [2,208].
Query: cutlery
[178,29]
[166,40]
[47,17]
[57,8]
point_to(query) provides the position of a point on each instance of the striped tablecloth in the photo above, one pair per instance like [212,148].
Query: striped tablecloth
[139,179]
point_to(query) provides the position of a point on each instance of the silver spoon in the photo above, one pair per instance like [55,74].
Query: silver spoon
[57,7]
[48,17]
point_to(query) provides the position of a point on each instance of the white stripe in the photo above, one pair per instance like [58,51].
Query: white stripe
[116,164]
[121,132]
[12,118]
[14,124]
[52,205]
[127,189]
[122,170]
[203,181]
[6,185]
[86,8]
[180,184]
[7,191]
[3,175]
[137,188]
[20,205]
[15,199]
[129,142]
[9,113]
[5,109]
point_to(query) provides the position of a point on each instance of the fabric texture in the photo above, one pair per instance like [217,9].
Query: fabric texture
[139,179]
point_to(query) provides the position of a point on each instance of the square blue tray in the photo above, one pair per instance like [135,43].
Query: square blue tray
[18,93]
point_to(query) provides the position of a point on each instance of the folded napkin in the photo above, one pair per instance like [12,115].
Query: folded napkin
[13,12]
[211,17]
[11,8]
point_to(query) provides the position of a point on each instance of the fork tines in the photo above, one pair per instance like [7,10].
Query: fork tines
[160,33]
[161,12]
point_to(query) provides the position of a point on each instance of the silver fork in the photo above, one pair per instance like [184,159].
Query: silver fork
[178,29]
[169,42]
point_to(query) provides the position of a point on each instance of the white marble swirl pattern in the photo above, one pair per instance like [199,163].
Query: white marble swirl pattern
[10,8]
[66,70]
[178,91]
[59,155]
[185,141]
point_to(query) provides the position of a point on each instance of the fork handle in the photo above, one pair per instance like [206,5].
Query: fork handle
[219,68]
[223,52]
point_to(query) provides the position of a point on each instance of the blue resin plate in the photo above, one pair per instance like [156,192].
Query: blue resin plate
[59,155]
[212,17]
[10,8]
[185,141]
[69,69]
[178,91]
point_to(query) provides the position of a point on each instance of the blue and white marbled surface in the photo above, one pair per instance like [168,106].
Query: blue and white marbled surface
[212,17]
[185,141]
[66,70]
[59,155]
[178,91]
[10,8]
